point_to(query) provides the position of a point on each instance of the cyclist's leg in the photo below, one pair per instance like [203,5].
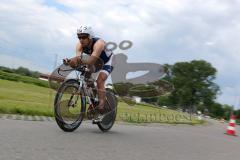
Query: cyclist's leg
[102,77]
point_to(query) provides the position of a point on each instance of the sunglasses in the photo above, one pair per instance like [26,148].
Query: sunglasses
[82,36]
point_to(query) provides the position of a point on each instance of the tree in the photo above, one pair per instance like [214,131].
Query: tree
[228,110]
[164,100]
[26,72]
[193,83]
[216,110]
[23,71]
[237,113]
[163,86]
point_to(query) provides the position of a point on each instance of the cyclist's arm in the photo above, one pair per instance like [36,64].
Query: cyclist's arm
[97,50]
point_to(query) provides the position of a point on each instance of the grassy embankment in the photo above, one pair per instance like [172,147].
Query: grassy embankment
[25,95]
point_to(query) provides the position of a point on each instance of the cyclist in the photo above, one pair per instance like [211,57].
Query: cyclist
[96,48]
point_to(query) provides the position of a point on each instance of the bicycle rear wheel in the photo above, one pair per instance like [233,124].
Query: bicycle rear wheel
[111,106]
[69,106]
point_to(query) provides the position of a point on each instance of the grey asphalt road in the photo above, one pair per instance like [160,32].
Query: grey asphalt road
[26,140]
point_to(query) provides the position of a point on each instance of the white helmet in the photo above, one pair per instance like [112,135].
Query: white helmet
[85,29]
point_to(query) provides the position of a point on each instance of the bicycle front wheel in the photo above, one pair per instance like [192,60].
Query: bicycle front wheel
[69,106]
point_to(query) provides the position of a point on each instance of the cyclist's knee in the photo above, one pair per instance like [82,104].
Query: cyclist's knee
[101,79]
[100,82]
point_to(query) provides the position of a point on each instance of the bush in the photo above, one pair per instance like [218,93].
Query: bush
[129,101]
[22,71]
[25,79]
[143,91]
[122,89]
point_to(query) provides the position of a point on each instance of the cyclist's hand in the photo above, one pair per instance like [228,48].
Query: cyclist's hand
[66,61]
[75,62]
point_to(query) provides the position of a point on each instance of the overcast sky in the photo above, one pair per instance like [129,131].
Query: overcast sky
[32,32]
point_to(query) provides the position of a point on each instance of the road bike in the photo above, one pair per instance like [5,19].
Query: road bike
[77,98]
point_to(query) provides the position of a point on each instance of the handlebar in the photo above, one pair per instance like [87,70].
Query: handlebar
[82,68]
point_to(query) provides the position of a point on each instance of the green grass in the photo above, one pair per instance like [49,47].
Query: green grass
[145,114]
[30,99]
[24,98]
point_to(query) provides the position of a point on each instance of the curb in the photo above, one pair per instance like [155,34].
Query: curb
[26,117]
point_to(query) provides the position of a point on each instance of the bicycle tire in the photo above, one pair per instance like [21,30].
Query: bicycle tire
[108,121]
[59,119]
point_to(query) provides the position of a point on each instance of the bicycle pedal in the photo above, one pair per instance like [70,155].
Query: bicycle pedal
[98,119]
[93,122]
